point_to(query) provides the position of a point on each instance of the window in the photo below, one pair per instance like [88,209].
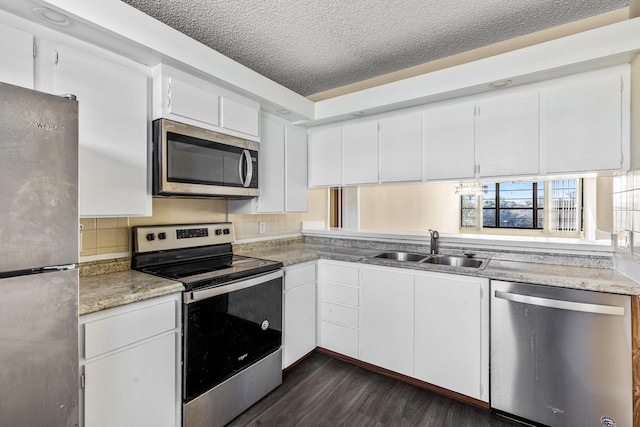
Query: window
[513,205]
[521,205]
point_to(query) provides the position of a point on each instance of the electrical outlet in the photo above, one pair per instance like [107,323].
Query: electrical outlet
[261,227]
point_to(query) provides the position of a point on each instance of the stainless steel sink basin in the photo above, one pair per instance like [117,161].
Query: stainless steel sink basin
[456,261]
[402,256]
[451,260]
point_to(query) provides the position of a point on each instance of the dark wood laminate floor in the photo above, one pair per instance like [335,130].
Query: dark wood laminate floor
[323,391]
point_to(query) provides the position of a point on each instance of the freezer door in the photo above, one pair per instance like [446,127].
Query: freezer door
[561,357]
[39,350]
[39,175]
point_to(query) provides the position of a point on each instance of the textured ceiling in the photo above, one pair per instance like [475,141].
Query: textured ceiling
[311,46]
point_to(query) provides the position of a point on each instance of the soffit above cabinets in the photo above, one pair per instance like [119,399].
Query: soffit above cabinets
[311,46]
[116,26]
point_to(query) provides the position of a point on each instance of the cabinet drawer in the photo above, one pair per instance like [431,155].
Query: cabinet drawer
[339,294]
[299,276]
[341,339]
[343,274]
[103,335]
[339,313]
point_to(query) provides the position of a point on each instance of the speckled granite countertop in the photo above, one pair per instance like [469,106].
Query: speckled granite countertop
[568,276]
[109,290]
[112,289]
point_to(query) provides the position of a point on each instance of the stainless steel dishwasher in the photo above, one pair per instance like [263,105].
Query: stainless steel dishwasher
[560,357]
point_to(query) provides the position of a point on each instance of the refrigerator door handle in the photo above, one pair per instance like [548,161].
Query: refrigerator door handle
[59,267]
[561,304]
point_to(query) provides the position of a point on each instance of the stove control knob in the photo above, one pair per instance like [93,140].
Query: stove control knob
[218,231]
[162,236]
[151,237]
[226,231]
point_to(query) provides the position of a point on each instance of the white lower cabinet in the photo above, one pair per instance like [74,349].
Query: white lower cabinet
[386,319]
[299,334]
[452,333]
[338,307]
[130,365]
[430,326]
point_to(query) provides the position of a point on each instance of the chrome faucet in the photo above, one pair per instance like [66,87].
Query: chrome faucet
[434,241]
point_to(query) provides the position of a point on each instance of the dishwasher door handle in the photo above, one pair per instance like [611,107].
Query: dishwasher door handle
[561,304]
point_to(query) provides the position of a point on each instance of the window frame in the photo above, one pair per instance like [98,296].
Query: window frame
[534,209]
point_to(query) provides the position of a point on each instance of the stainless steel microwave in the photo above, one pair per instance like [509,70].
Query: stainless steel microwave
[190,161]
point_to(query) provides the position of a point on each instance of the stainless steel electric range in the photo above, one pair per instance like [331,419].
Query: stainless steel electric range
[231,317]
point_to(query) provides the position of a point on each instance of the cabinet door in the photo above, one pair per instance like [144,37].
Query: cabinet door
[448,334]
[507,134]
[239,117]
[386,319]
[325,156]
[112,131]
[401,147]
[16,49]
[134,387]
[296,170]
[299,322]
[271,168]
[584,123]
[360,152]
[193,101]
[449,141]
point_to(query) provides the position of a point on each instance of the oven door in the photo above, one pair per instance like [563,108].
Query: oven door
[228,328]
[193,161]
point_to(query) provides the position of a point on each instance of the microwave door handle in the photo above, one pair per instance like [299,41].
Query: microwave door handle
[246,182]
[241,163]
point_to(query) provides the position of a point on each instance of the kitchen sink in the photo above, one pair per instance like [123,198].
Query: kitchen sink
[456,261]
[451,260]
[402,256]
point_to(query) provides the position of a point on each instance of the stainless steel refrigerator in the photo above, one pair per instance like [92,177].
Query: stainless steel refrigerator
[38,252]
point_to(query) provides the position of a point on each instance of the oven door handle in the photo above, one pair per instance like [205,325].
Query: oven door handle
[201,294]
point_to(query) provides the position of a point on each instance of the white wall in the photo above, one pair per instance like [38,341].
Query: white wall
[410,207]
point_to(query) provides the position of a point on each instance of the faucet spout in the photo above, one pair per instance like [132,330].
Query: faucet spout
[434,241]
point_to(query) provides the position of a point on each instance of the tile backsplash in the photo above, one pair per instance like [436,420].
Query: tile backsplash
[248,226]
[102,237]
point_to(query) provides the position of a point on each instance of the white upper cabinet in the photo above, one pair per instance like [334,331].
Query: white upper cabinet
[240,117]
[296,195]
[400,142]
[449,141]
[16,49]
[585,130]
[185,98]
[282,171]
[113,131]
[271,172]
[325,156]
[360,152]
[194,100]
[507,134]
